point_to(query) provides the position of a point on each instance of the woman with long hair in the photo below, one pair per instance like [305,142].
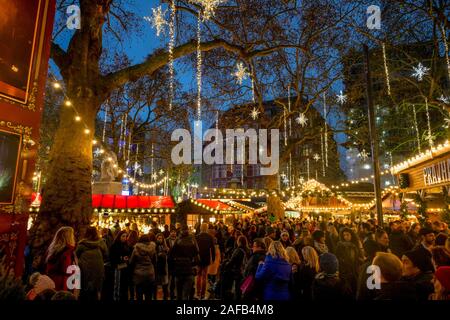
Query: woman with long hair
[162,268]
[350,258]
[234,269]
[120,254]
[275,273]
[61,255]
[308,269]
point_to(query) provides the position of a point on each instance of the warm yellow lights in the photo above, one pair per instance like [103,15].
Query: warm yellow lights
[77,118]
[56,85]
[68,103]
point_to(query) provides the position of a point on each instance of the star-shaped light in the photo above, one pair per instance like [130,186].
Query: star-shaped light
[444,100]
[316,157]
[363,155]
[241,72]
[341,98]
[154,175]
[302,180]
[161,172]
[283,175]
[209,7]
[285,180]
[255,113]
[420,71]
[302,120]
[136,166]
[98,152]
[157,20]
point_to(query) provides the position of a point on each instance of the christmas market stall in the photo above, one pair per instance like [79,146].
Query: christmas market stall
[110,209]
[194,211]
[424,182]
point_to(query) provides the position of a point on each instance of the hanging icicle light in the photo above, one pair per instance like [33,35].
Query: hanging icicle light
[171,46]
[289,110]
[416,127]
[325,127]
[322,151]
[199,69]
[444,39]
[429,135]
[386,70]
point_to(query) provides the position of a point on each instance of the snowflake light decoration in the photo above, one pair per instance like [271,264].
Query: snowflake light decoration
[209,7]
[420,71]
[154,175]
[255,113]
[302,120]
[302,180]
[98,152]
[447,123]
[241,73]
[161,172]
[157,20]
[341,98]
[445,100]
[316,157]
[363,155]
[285,180]
[137,166]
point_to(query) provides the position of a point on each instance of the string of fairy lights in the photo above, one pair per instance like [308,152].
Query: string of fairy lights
[95,142]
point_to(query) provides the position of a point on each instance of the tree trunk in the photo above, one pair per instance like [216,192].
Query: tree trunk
[67,195]
[274,203]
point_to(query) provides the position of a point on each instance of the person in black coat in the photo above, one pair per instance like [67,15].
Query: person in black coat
[418,270]
[119,255]
[398,240]
[258,255]
[205,243]
[327,286]
[390,286]
[233,270]
[184,257]
[363,292]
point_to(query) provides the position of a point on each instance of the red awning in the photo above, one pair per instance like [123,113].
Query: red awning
[109,201]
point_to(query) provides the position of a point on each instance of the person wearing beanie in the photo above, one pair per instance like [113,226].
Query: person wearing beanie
[42,282]
[428,239]
[284,239]
[418,270]
[441,284]
[319,242]
[392,287]
[327,285]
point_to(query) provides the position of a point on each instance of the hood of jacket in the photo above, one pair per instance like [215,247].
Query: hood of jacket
[145,248]
[91,244]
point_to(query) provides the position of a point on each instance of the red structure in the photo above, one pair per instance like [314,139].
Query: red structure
[24,51]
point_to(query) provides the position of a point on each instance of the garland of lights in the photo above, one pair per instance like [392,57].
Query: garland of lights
[87,131]
[325,125]
[285,126]
[171,46]
[104,123]
[416,127]
[386,70]
[444,39]
[199,68]
[307,167]
[322,151]
[430,137]
[289,109]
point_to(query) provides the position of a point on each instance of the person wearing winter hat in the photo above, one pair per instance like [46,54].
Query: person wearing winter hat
[42,282]
[327,285]
[418,270]
[441,284]
[428,239]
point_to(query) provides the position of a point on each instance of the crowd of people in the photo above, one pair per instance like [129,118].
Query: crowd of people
[250,260]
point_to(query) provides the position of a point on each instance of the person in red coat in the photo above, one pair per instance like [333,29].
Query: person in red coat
[60,256]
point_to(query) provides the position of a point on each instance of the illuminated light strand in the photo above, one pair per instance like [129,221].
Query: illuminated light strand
[326,130]
[417,128]
[322,147]
[308,168]
[386,70]
[289,109]
[199,69]
[430,137]
[285,126]
[444,39]
[171,46]
[104,123]
[78,118]
[427,155]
